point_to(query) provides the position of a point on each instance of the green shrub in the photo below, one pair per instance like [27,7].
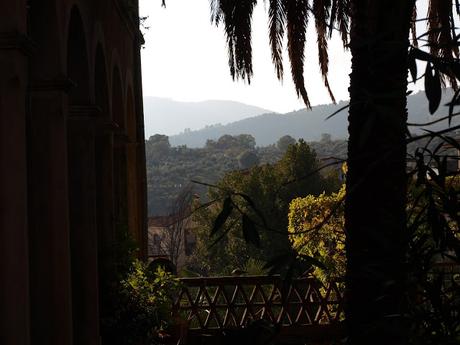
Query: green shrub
[143,306]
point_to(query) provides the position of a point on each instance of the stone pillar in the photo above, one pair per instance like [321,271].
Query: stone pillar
[83,224]
[120,184]
[140,138]
[133,193]
[105,215]
[14,284]
[14,293]
[48,214]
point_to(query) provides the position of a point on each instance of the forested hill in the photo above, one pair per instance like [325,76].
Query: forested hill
[267,128]
[170,169]
[167,116]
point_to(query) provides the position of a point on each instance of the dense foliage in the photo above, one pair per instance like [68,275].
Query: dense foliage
[316,226]
[433,232]
[261,194]
[171,169]
[143,301]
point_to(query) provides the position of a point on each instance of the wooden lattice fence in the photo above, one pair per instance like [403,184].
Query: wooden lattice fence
[233,302]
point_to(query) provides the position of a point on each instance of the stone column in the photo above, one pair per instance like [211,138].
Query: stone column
[14,284]
[83,224]
[48,213]
[133,193]
[105,215]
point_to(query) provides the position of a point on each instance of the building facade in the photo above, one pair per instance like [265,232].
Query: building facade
[171,237]
[72,162]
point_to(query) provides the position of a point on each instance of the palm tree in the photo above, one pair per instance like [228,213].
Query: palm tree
[377,33]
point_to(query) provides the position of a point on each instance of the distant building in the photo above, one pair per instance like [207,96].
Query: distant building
[171,237]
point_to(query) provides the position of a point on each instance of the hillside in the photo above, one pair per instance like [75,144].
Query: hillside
[267,128]
[171,169]
[169,117]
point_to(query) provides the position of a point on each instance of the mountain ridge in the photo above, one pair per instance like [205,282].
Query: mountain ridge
[163,115]
[307,124]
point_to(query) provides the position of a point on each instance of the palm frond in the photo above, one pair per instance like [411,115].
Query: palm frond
[277,24]
[342,18]
[286,17]
[440,29]
[297,21]
[441,33]
[413,26]
[321,14]
[216,12]
[237,19]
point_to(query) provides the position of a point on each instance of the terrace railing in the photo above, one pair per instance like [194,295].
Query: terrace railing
[219,303]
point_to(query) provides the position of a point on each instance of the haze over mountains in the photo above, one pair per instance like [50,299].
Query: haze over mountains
[166,116]
[268,127]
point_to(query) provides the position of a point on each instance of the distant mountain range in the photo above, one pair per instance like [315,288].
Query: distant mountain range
[307,124]
[166,116]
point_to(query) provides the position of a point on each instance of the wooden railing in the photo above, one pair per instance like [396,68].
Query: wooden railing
[219,303]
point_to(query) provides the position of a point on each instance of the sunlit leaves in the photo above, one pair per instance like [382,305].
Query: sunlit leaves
[316,226]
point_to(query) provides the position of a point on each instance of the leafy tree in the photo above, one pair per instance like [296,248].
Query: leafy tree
[226,142]
[283,143]
[247,159]
[158,146]
[246,141]
[270,188]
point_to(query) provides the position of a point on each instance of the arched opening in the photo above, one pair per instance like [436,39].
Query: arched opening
[82,189]
[77,60]
[118,112]
[101,85]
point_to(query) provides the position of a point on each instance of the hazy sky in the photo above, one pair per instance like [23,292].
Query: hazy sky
[185,58]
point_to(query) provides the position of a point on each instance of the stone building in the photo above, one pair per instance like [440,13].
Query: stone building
[171,237]
[72,170]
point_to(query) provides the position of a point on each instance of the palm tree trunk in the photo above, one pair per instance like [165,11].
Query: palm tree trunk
[376,181]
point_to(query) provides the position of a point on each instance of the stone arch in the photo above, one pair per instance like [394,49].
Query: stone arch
[101,82]
[48,61]
[77,59]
